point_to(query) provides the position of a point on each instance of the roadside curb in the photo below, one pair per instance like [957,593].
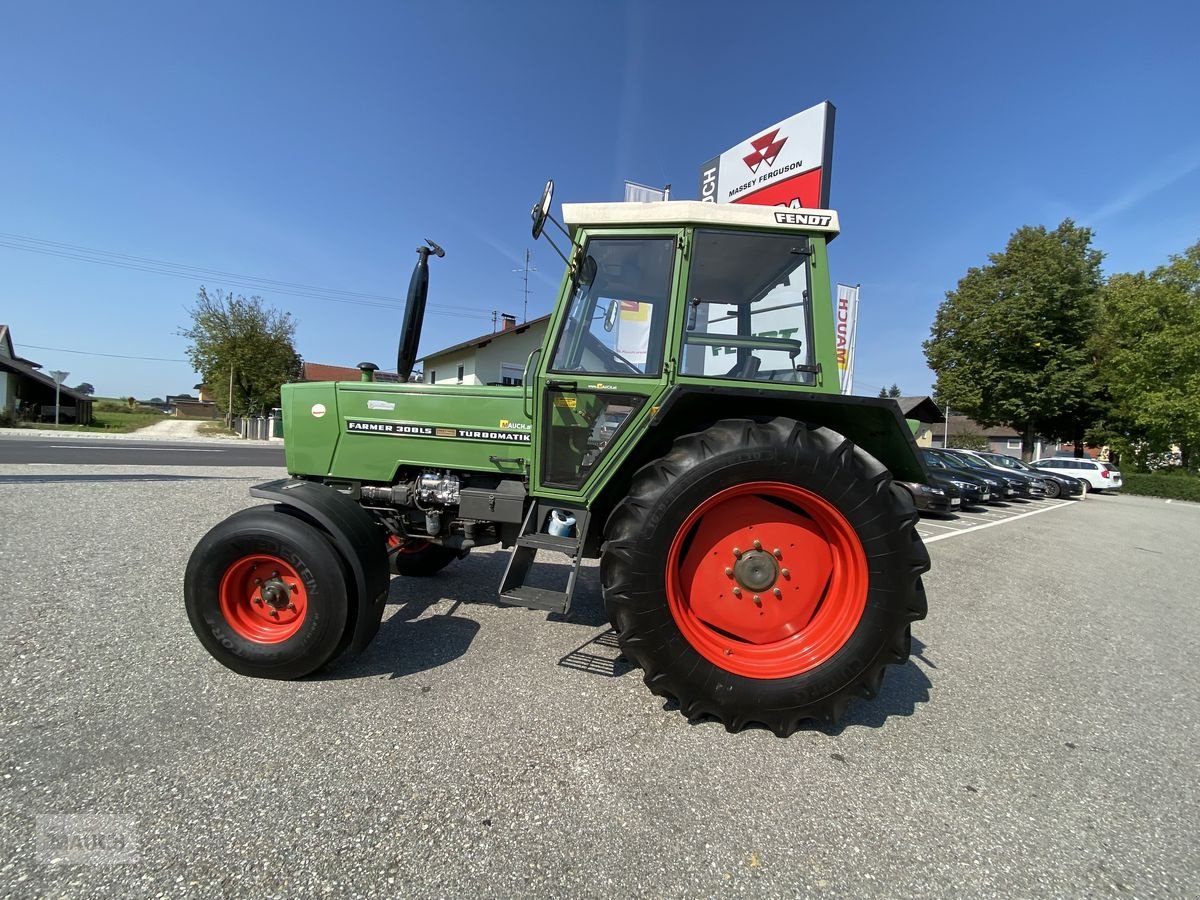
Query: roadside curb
[131,436]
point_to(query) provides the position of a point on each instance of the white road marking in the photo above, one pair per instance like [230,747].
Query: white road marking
[161,449]
[1032,512]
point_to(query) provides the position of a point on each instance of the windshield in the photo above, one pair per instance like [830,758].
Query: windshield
[749,311]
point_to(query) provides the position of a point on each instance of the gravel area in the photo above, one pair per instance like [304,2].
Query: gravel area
[1041,743]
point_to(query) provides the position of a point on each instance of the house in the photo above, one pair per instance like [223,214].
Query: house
[496,358]
[28,393]
[921,409]
[1000,438]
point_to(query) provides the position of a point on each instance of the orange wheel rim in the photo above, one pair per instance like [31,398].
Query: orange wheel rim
[263,598]
[767,580]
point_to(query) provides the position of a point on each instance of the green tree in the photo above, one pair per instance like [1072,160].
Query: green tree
[85,388]
[1009,344]
[893,392]
[1148,345]
[246,341]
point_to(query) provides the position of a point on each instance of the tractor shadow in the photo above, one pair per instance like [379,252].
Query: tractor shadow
[904,689]
[410,640]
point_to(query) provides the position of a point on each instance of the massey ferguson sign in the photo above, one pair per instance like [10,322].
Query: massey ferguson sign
[788,164]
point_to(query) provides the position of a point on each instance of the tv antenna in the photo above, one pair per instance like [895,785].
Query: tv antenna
[527,268]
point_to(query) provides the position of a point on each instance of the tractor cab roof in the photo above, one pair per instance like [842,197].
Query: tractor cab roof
[696,212]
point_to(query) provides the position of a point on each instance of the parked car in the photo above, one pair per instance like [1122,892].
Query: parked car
[1032,486]
[993,488]
[1015,486]
[1056,485]
[932,498]
[1098,476]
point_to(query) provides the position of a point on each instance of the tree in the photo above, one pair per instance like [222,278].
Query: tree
[893,392]
[1148,344]
[232,337]
[85,388]
[1009,345]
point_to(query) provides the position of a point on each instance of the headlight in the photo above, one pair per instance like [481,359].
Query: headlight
[938,491]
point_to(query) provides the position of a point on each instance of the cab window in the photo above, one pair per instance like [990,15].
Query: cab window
[749,309]
[616,324]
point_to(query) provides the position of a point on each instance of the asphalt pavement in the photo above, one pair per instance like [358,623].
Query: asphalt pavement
[131,452]
[1041,742]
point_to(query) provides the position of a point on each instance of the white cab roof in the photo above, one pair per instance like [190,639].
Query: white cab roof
[696,212]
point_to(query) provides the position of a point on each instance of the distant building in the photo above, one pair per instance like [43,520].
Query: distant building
[1000,438]
[496,358]
[322,372]
[28,393]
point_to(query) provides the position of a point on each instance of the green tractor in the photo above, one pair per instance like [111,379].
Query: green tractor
[682,422]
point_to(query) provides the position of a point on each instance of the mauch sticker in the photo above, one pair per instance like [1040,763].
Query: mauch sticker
[318,410]
[380,404]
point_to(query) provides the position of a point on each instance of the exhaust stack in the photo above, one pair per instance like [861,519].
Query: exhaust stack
[414,310]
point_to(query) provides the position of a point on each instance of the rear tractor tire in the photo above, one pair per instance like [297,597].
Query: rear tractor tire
[764,572]
[267,594]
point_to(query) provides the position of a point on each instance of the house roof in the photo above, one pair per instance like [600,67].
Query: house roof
[967,425]
[484,339]
[21,367]
[921,408]
[322,372]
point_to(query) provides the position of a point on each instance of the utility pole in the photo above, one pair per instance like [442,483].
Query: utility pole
[946,430]
[527,268]
[59,377]
[229,409]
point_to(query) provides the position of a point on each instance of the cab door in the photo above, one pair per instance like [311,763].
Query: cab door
[606,364]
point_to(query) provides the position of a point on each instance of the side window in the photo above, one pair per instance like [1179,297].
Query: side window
[616,325]
[749,314]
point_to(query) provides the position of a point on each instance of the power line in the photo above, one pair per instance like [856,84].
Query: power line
[110,355]
[113,259]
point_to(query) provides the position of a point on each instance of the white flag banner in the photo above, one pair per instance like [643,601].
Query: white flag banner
[845,317]
[640,193]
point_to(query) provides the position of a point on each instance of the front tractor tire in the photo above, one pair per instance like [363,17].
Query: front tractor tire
[764,572]
[267,594]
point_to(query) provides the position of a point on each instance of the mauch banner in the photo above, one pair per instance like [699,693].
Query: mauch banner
[788,164]
[845,317]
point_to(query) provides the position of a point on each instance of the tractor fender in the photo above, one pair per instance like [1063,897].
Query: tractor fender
[355,535]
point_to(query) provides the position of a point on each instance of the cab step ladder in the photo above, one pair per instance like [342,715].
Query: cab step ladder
[533,537]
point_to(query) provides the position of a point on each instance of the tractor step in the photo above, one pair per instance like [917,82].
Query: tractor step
[513,590]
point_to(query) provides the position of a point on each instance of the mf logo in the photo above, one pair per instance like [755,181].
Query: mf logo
[766,148]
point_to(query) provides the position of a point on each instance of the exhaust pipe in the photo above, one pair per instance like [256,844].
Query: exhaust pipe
[414,310]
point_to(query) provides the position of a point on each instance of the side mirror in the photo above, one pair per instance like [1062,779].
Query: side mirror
[541,209]
[610,314]
[587,272]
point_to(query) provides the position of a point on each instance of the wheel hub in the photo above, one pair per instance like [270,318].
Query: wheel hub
[756,570]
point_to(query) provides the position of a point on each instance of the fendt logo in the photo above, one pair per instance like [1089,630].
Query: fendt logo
[766,148]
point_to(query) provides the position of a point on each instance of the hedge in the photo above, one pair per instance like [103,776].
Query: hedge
[1173,486]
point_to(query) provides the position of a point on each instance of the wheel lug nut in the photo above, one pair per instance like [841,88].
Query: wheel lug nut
[292,606]
[737,592]
[274,614]
[757,600]
[258,600]
[758,545]
[258,581]
[293,588]
[777,553]
[778,593]
[274,574]
[785,573]
[728,571]
[737,552]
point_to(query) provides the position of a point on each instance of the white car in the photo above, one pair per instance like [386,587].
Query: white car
[1099,476]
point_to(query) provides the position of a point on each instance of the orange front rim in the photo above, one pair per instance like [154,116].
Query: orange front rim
[263,598]
[767,580]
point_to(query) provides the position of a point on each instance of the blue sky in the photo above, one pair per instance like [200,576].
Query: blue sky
[317,144]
